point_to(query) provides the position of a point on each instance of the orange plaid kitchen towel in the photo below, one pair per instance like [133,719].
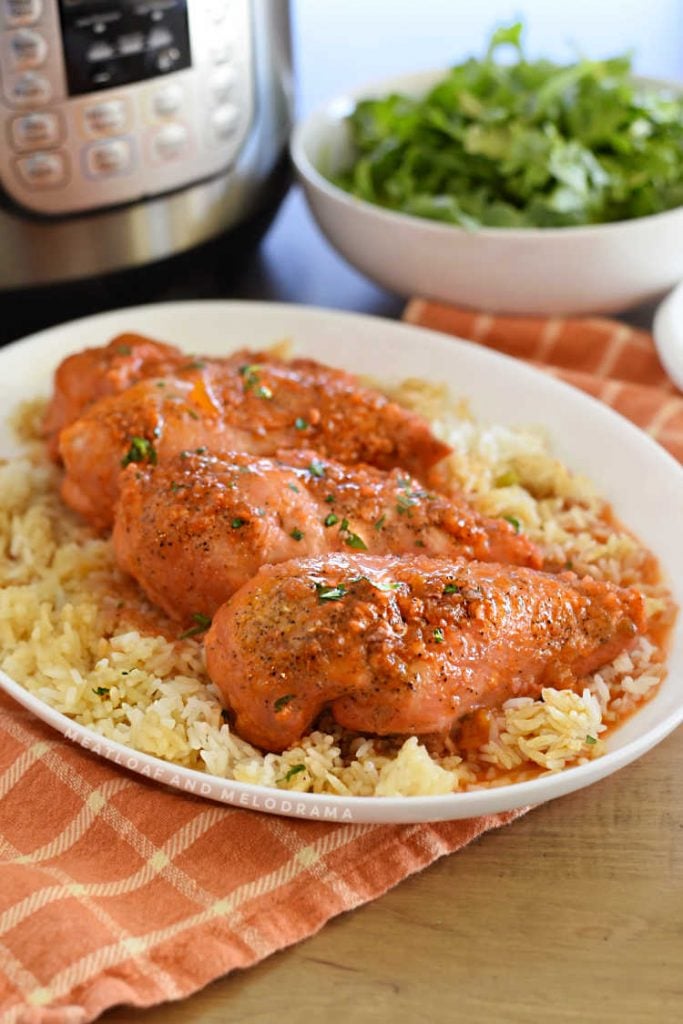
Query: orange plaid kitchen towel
[116,890]
[610,360]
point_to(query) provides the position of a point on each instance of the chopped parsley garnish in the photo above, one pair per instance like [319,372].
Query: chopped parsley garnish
[160,384]
[237,522]
[326,592]
[408,497]
[194,415]
[451,588]
[294,770]
[420,544]
[380,522]
[300,423]
[283,701]
[317,468]
[201,450]
[352,539]
[202,624]
[123,350]
[438,635]
[250,375]
[101,691]
[196,364]
[252,381]
[514,523]
[140,450]
[329,498]
[296,534]
[294,488]
[591,740]
[175,486]
[331,519]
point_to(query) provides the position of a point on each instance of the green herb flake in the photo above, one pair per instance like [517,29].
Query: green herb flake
[329,498]
[140,450]
[202,624]
[294,770]
[195,364]
[317,468]
[193,415]
[300,423]
[175,486]
[380,522]
[451,588]
[251,375]
[294,488]
[331,519]
[590,740]
[124,350]
[352,539]
[237,523]
[101,691]
[283,701]
[326,592]
[514,523]
[438,636]
[296,534]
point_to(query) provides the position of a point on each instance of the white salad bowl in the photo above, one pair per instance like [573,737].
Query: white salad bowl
[600,268]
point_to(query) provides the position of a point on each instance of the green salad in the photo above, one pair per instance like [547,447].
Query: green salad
[522,144]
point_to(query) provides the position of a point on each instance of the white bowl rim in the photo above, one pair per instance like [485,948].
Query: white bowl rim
[375,88]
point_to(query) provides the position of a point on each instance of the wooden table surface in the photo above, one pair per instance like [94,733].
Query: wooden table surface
[571,915]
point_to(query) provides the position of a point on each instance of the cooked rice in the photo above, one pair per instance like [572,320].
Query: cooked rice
[70,631]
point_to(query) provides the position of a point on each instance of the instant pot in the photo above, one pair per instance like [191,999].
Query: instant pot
[133,130]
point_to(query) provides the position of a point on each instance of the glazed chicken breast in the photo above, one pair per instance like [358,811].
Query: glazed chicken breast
[83,378]
[405,645]
[195,528]
[258,407]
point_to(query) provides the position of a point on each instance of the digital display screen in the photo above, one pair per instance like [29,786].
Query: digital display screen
[108,43]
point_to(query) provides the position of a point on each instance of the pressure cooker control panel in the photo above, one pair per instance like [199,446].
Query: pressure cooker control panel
[105,102]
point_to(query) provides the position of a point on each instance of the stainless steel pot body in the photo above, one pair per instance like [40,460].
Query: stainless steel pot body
[40,249]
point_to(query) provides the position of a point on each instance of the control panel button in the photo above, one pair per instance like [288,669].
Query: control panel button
[35,131]
[29,90]
[108,159]
[222,83]
[109,117]
[42,170]
[170,141]
[224,120]
[28,49]
[167,100]
[22,12]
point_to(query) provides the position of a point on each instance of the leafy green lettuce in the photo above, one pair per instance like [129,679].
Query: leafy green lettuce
[522,144]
